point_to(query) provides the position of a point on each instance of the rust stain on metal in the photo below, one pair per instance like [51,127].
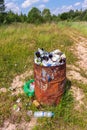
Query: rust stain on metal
[49,83]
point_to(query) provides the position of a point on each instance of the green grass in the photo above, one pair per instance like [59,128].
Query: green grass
[62,112]
[80,27]
[6,102]
[18,42]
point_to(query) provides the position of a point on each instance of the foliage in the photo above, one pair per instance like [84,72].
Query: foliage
[34,16]
[11,17]
[2,11]
[2,6]
[23,17]
[46,15]
[74,15]
[64,16]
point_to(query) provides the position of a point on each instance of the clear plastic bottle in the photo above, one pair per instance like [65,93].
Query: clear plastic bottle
[41,51]
[32,85]
[43,114]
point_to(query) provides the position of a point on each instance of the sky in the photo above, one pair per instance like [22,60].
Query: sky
[56,6]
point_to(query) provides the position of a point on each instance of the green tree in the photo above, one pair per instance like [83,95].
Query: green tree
[10,17]
[34,16]
[85,16]
[64,16]
[23,17]
[2,11]
[54,18]
[46,15]
[2,6]
[71,14]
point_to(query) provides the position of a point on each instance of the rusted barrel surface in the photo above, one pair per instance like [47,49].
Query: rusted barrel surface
[49,83]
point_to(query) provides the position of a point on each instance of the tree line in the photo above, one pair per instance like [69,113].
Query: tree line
[35,16]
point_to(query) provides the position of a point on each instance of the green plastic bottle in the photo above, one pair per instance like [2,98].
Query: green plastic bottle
[26,88]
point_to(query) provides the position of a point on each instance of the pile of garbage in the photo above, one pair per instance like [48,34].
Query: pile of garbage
[42,58]
[54,58]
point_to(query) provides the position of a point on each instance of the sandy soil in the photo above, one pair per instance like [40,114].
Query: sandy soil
[18,82]
[20,126]
[80,50]
[79,96]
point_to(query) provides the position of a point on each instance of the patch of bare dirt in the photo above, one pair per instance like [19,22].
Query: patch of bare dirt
[32,123]
[8,126]
[20,126]
[72,74]
[78,96]
[73,67]
[18,82]
[4,90]
[82,55]
[80,50]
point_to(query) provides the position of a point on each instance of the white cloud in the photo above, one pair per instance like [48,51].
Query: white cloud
[27,3]
[45,1]
[77,4]
[69,7]
[12,6]
[8,1]
[64,8]
[42,6]
[84,4]
[56,11]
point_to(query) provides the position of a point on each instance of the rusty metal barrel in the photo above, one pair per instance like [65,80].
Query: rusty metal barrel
[49,83]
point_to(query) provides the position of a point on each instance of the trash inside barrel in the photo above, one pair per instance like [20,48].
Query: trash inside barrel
[50,76]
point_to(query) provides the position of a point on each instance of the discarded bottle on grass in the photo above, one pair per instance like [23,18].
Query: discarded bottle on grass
[32,85]
[29,87]
[43,114]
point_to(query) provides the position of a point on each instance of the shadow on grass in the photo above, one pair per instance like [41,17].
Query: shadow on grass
[67,85]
